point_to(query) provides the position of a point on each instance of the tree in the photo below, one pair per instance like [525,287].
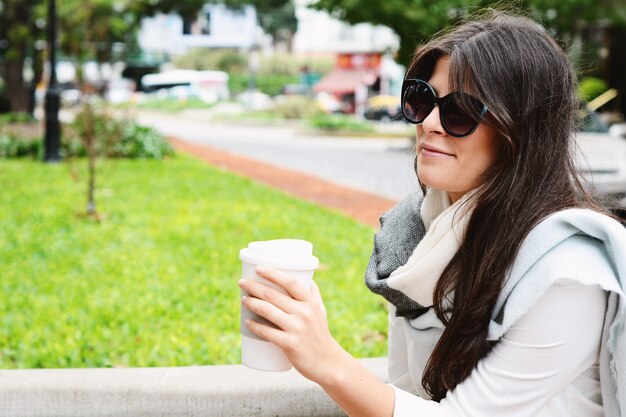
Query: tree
[112,21]
[89,28]
[21,26]
[417,20]
[18,33]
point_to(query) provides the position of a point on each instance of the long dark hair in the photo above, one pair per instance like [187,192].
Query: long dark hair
[528,83]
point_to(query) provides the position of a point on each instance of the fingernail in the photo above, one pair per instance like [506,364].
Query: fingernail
[241,282]
[243,299]
[247,322]
[259,269]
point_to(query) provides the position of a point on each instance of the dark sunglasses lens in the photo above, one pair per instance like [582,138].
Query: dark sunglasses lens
[457,121]
[418,102]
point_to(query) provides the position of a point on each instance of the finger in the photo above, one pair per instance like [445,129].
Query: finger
[267,311]
[267,293]
[265,332]
[294,287]
[317,297]
[315,290]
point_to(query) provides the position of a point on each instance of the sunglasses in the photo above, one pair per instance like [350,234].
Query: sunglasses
[419,99]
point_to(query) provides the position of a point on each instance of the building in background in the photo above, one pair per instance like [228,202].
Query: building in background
[219,27]
[318,34]
[215,27]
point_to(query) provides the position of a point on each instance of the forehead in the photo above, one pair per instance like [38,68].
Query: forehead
[440,79]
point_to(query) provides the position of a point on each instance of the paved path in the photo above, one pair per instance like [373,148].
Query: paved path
[380,166]
[362,206]
[360,177]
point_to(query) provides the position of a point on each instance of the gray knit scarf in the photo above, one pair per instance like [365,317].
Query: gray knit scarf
[401,230]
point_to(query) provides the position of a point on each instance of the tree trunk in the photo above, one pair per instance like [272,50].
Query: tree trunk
[89,138]
[17,92]
[17,22]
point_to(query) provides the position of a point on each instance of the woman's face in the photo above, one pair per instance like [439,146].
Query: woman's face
[448,163]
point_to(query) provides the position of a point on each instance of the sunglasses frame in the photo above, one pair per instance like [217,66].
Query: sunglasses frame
[439,101]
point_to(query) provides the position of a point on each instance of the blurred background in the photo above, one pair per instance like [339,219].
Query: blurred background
[126,253]
[341,56]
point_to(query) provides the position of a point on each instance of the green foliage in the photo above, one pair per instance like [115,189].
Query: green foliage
[238,83]
[173,104]
[296,107]
[155,282]
[89,28]
[278,20]
[271,84]
[218,60]
[336,122]
[417,20]
[591,88]
[141,142]
[187,8]
[20,136]
[287,64]
[17,117]
[12,146]
[116,138]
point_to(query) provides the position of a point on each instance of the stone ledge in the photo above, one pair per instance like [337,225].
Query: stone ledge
[215,391]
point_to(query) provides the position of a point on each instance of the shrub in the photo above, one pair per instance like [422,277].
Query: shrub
[140,142]
[271,84]
[591,88]
[12,146]
[117,138]
[20,136]
[220,60]
[336,122]
[15,117]
[286,64]
[296,107]
[114,139]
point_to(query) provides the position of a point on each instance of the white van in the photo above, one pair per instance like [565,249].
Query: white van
[208,86]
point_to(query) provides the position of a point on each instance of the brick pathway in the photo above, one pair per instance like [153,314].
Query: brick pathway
[362,206]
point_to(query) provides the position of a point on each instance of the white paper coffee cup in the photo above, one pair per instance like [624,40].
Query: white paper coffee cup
[293,256]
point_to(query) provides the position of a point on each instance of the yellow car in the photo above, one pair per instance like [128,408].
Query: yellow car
[383,108]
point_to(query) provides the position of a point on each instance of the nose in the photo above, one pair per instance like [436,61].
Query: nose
[432,123]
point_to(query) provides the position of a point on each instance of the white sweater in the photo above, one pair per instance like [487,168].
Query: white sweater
[545,364]
[558,323]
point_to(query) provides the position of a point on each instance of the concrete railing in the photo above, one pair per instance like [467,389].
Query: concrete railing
[215,391]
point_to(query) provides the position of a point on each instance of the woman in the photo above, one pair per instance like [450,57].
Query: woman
[505,280]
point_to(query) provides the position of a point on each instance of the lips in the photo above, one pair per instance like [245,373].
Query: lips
[432,151]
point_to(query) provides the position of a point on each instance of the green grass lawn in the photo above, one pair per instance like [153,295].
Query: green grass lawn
[155,282]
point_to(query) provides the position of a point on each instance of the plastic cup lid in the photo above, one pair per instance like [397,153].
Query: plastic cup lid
[288,254]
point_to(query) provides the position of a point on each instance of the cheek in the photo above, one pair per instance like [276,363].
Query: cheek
[480,155]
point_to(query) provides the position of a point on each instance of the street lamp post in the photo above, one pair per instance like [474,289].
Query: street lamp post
[52,141]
